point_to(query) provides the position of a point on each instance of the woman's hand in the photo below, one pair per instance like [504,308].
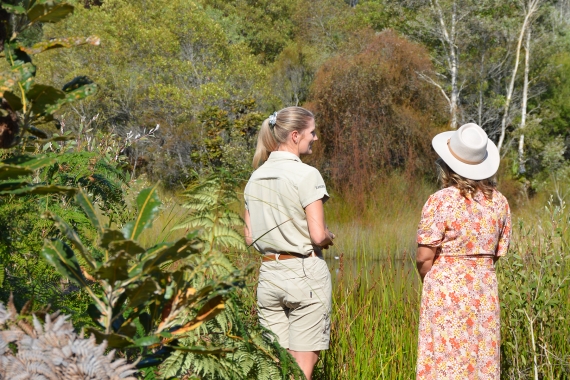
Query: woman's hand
[424,259]
[320,234]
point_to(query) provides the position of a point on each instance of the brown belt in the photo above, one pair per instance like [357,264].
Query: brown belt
[286,256]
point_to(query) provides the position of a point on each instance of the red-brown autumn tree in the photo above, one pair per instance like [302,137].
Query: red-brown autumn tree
[374,114]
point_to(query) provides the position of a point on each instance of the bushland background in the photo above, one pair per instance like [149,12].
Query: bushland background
[183,87]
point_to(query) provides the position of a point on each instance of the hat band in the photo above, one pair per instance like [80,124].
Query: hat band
[461,159]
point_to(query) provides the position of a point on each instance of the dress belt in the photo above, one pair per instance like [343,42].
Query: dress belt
[286,256]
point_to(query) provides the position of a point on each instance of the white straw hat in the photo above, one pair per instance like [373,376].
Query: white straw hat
[468,152]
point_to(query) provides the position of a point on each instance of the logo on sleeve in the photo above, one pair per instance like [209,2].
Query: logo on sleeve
[319,187]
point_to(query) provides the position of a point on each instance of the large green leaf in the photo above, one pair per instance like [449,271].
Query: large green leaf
[9,185]
[13,100]
[108,236]
[162,253]
[148,204]
[49,11]
[83,200]
[13,171]
[142,293]
[57,43]
[45,99]
[115,268]
[30,162]
[73,237]
[43,190]
[62,257]
[128,246]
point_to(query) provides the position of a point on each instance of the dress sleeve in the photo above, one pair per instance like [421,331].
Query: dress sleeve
[312,188]
[431,229]
[505,235]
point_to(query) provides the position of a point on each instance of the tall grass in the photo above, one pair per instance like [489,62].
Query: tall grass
[381,226]
[376,290]
[376,301]
[375,314]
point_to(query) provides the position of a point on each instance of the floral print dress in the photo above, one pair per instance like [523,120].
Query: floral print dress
[459,332]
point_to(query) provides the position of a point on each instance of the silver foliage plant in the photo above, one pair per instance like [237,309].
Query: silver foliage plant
[53,351]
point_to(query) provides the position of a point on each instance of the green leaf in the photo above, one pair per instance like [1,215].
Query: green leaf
[73,237]
[13,100]
[52,11]
[147,341]
[30,162]
[142,293]
[13,171]
[108,236]
[84,202]
[127,246]
[43,190]
[148,204]
[81,93]
[57,43]
[162,253]
[38,132]
[114,340]
[14,9]
[62,257]
[76,83]
[115,268]
[12,184]
[45,99]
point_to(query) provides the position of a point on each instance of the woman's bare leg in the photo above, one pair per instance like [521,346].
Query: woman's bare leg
[306,361]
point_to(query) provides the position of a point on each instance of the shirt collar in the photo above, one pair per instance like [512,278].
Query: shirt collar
[279,155]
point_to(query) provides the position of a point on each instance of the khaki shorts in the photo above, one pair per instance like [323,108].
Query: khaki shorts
[294,302]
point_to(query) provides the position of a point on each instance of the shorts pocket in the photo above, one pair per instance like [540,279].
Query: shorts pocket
[316,269]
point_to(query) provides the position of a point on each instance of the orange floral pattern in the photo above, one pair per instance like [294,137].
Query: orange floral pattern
[459,332]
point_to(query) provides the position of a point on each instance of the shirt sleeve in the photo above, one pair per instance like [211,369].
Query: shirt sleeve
[312,188]
[431,229]
[505,235]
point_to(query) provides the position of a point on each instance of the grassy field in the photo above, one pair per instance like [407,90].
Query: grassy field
[376,289]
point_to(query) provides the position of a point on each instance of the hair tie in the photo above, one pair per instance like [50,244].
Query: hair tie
[272,120]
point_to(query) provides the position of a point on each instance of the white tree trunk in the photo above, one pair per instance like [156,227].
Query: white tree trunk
[524,100]
[448,40]
[531,8]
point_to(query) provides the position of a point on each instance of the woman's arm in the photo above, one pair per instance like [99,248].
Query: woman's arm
[247,228]
[320,234]
[424,259]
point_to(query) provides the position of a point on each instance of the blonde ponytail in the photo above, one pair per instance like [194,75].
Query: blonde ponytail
[266,144]
[287,120]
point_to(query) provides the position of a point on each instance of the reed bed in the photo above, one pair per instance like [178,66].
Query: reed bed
[376,303]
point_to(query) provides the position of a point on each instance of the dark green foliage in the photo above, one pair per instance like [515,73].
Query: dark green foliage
[134,286]
[25,101]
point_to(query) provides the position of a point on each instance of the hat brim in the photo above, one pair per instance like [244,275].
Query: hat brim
[484,170]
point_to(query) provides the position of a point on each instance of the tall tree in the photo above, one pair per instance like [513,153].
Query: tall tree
[530,10]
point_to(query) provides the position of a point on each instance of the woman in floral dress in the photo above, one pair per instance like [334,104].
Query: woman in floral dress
[464,229]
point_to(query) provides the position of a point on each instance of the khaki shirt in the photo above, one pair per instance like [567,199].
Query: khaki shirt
[276,196]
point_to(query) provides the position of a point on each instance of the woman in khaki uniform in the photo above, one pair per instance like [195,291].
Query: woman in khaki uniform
[285,222]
